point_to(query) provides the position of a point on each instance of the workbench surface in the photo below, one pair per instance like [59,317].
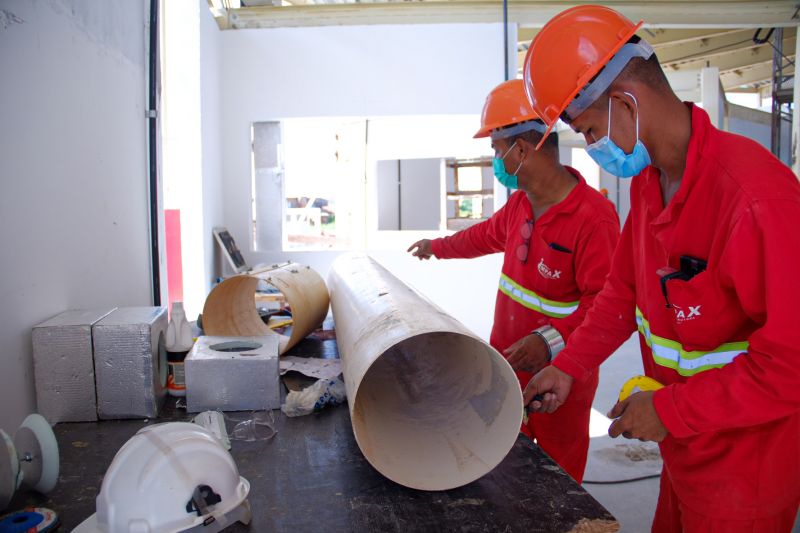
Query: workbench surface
[312,477]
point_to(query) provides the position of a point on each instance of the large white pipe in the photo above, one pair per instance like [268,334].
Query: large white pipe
[433,406]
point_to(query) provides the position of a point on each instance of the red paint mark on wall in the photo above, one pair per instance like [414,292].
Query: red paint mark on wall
[172,229]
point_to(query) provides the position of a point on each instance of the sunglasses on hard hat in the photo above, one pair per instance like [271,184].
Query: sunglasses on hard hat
[525,231]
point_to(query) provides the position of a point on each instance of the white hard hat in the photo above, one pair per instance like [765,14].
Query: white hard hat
[168,478]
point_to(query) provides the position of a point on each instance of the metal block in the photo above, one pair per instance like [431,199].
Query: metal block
[130,362]
[233,374]
[63,366]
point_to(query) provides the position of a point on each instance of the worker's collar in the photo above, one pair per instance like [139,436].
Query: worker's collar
[701,126]
[570,203]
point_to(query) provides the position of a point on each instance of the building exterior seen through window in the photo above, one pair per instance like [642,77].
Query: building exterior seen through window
[329,183]
[470,192]
[345,183]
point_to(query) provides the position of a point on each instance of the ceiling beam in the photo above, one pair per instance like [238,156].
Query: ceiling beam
[660,37]
[526,35]
[730,52]
[751,75]
[732,59]
[527,13]
[748,78]
[219,13]
[669,53]
[675,44]
[763,90]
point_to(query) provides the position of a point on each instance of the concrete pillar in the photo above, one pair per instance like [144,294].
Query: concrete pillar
[710,95]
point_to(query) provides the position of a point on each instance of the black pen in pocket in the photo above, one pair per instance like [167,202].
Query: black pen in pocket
[560,248]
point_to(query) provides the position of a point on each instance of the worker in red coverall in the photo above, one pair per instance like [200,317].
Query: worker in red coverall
[558,236]
[706,270]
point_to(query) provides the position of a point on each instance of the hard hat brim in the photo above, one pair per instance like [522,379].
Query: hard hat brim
[483,132]
[546,134]
[239,512]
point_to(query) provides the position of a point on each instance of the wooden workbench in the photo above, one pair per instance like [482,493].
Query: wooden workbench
[312,477]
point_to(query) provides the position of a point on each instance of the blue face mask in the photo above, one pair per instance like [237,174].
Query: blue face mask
[608,155]
[506,179]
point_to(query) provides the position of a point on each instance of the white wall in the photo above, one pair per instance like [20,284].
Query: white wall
[182,153]
[192,164]
[757,125]
[420,195]
[73,153]
[363,71]
[387,192]
[416,203]
[210,141]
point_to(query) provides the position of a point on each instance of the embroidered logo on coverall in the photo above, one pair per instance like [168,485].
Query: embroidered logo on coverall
[546,272]
[682,315]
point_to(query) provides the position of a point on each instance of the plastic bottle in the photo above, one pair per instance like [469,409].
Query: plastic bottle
[179,342]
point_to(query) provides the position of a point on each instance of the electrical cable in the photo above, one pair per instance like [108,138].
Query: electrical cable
[757,39]
[505,40]
[152,151]
[506,76]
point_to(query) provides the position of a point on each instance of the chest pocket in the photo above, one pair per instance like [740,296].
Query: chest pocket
[554,266]
[705,314]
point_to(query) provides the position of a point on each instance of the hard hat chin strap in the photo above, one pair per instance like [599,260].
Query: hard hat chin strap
[203,496]
[592,91]
[241,513]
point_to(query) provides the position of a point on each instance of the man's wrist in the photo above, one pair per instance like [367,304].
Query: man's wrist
[552,339]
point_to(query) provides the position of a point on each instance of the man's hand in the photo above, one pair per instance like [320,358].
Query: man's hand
[636,418]
[529,354]
[554,386]
[423,249]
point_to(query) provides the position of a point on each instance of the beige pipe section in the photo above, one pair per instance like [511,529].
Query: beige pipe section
[230,308]
[433,406]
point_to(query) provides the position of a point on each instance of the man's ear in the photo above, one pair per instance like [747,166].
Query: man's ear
[622,100]
[523,147]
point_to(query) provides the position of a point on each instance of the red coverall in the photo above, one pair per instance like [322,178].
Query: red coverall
[728,350]
[553,287]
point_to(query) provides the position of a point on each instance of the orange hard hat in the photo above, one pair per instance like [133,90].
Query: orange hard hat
[506,105]
[569,51]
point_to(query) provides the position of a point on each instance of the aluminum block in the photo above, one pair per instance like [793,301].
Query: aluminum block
[63,366]
[130,362]
[233,374]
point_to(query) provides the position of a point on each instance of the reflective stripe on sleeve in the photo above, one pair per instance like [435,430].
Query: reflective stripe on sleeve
[531,300]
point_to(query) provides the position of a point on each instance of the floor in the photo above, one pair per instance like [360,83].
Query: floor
[632,503]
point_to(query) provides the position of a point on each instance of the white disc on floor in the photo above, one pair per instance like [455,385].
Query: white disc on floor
[9,469]
[36,437]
